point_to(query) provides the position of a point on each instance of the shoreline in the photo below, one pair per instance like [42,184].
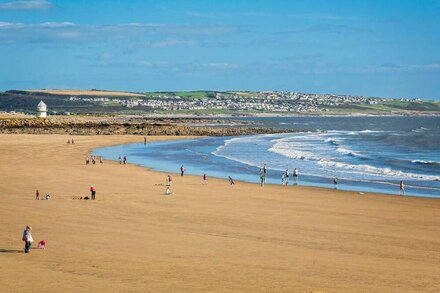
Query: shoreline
[212,237]
[349,183]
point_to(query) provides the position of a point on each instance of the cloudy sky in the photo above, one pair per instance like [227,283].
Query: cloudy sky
[381,48]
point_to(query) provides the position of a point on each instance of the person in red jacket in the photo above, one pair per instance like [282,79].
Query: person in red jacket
[93,191]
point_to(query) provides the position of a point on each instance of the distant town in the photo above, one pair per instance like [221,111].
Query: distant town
[205,102]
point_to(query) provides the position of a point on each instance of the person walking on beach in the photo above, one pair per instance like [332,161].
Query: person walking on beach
[264,173]
[169,180]
[27,238]
[205,179]
[125,160]
[295,176]
[93,192]
[402,188]
[100,160]
[87,160]
[286,177]
[68,141]
[262,180]
[120,160]
[335,182]
[182,170]
[231,181]
[73,142]
[37,195]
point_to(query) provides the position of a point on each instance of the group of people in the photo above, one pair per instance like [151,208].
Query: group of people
[29,240]
[169,180]
[70,141]
[285,177]
[44,197]
[122,160]
[93,160]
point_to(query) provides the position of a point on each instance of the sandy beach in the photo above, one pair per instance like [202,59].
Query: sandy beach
[213,237]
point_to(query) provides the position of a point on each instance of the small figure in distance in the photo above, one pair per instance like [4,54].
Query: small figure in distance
[231,181]
[73,142]
[402,188]
[93,192]
[87,160]
[42,244]
[120,160]
[168,191]
[37,195]
[100,160]
[335,182]
[125,160]
[68,141]
[27,238]
[182,170]
[262,180]
[205,179]
[295,176]
[145,140]
[169,180]
[93,160]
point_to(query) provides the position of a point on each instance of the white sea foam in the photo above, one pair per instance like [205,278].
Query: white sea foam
[367,169]
[346,151]
[314,152]
[425,162]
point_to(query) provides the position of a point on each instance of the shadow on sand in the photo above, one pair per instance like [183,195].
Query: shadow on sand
[3,250]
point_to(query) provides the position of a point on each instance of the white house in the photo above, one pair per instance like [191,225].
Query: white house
[41,110]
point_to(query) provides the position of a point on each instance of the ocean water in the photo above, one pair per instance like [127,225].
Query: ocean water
[365,153]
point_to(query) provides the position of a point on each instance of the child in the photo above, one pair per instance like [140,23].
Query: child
[205,179]
[262,179]
[42,244]
[169,180]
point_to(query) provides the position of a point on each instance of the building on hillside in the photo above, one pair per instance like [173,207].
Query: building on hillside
[41,110]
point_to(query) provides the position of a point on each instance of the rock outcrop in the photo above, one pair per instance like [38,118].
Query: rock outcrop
[128,126]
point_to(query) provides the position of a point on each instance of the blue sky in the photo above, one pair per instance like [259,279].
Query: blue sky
[373,48]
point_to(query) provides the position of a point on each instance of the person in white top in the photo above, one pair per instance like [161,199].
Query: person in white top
[295,176]
[27,238]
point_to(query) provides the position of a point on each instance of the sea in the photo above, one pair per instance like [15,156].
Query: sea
[365,153]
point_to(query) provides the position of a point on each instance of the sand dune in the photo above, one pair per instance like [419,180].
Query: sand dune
[203,238]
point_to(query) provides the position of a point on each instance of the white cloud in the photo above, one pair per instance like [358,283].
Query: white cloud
[26,5]
[174,35]
[170,43]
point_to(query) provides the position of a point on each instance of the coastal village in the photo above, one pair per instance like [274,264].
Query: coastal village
[66,102]
[262,101]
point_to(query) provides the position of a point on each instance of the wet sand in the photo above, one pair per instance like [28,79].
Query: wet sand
[216,237]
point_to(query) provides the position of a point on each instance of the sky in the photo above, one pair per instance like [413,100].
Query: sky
[383,48]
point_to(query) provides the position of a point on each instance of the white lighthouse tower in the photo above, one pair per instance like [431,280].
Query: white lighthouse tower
[41,110]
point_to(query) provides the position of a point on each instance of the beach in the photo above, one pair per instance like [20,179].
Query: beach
[213,237]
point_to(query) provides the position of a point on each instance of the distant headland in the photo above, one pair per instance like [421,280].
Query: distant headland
[208,103]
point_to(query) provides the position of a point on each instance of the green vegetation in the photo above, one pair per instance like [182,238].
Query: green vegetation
[189,102]
[388,107]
